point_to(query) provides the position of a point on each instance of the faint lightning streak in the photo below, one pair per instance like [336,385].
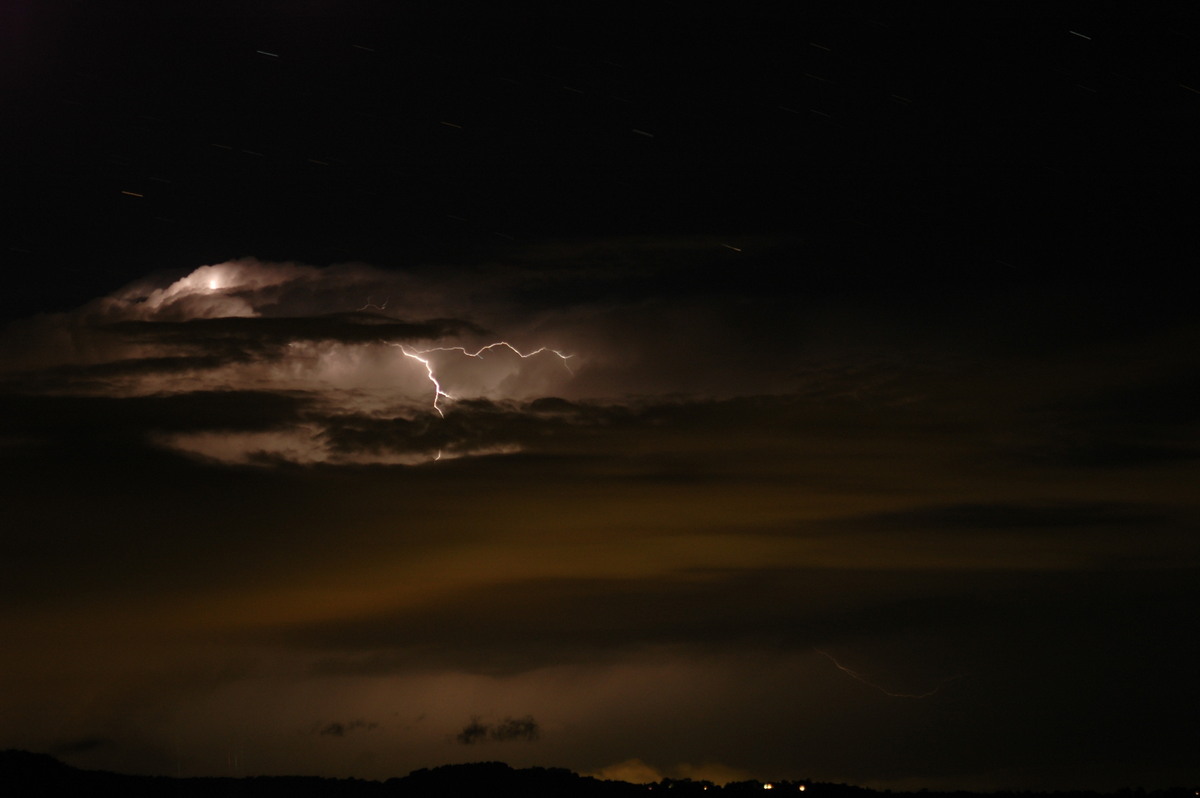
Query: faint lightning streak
[372,305]
[859,677]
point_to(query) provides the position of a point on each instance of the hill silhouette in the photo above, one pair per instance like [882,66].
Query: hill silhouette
[23,773]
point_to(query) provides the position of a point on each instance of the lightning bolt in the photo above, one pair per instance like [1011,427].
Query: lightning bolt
[438,392]
[859,677]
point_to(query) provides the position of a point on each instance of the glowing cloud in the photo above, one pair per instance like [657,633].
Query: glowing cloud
[218,291]
[296,330]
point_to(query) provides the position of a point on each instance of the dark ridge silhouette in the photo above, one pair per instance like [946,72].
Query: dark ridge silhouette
[23,773]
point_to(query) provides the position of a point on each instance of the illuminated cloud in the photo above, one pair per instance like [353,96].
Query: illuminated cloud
[634,771]
[395,368]
[714,772]
[284,332]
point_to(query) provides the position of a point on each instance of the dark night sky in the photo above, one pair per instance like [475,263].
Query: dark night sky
[853,436]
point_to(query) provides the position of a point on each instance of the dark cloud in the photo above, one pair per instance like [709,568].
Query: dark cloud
[72,417]
[1136,423]
[551,425]
[523,626]
[525,728]
[642,270]
[1015,516]
[506,730]
[95,376]
[470,424]
[1115,454]
[82,745]
[1171,401]
[337,729]
[236,336]
[473,732]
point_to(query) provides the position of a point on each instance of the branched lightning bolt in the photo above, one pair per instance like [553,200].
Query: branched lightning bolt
[438,392]
[859,677]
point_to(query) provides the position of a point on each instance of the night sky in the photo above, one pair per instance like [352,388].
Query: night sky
[643,390]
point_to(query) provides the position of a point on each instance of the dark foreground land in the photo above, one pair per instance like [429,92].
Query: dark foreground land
[28,774]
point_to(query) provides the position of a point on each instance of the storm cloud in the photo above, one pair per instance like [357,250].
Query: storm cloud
[664,522]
